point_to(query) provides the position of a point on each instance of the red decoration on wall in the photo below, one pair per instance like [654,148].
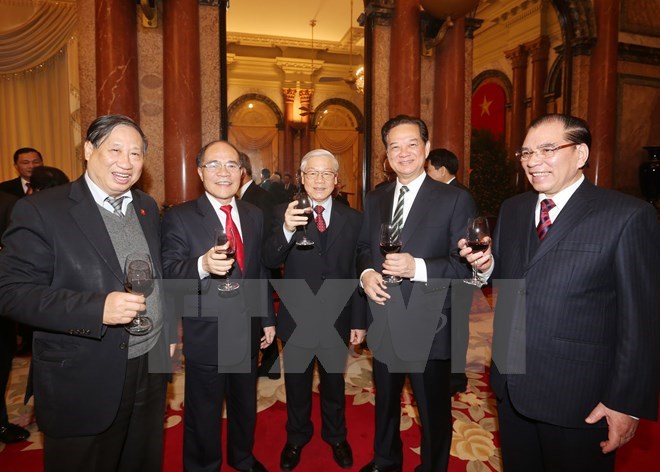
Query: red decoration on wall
[488,108]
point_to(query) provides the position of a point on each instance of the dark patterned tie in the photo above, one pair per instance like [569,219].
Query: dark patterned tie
[544,221]
[397,218]
[230,227]
[116,204]
[320,222]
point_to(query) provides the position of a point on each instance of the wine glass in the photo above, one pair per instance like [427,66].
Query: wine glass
[389,244]
[226,237]
[139,279]
[304,203]
[478,238]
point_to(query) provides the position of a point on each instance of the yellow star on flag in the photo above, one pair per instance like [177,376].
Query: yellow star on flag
[485,106]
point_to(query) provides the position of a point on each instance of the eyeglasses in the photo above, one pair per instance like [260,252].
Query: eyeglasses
[325,175]
[217,165]
[546,152]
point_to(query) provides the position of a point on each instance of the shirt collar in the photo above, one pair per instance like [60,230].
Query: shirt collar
[562,197]
[100,195]
[413,187]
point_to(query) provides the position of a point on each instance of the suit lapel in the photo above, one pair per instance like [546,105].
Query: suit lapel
[577,208]
[250,237]
[418,211]
[337,221]
[87,217]
[150,232]
[386,204]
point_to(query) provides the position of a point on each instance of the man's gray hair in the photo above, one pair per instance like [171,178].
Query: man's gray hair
[316,153]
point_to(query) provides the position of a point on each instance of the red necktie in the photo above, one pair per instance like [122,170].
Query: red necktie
[230,228]
[544,221]
[320,222]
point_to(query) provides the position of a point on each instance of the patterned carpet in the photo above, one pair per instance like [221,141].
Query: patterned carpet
[474,443]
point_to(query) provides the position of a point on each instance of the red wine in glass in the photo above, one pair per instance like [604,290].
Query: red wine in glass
[139,280]
[390,243]
[304,203]
[226,238]
[478,238]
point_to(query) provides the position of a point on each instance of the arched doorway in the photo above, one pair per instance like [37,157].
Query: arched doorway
[255,122]
[338,127]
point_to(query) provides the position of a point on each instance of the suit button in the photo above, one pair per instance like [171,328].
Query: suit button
[522,291]
[323,277]
[122,346]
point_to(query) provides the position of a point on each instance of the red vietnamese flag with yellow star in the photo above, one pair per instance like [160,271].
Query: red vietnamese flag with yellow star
[488,108]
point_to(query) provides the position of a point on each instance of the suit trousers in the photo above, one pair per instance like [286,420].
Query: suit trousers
[7,349]
[532,445]
[299,425]
[134,440]
[431,389]
[205,391]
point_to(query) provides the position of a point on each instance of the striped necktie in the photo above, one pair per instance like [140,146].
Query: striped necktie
[397,218]
[544,221]
[116,204]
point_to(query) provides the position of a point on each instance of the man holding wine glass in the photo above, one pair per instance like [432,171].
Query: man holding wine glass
[580,304]
[332,233]
[429,218]
[221,328]
[98,400]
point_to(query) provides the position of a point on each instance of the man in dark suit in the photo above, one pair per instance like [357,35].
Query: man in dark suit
[431,218]
[334,230]
[9,432]
[290,186]
[189,252]
[25,159]
[252,193]
[442,165]
[582,303]
[96,401]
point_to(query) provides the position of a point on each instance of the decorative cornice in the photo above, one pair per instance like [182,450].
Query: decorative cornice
[642,54]
[342,46]
[518,12]
[292,65]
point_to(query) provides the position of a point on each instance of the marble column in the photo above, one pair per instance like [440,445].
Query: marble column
[518,59]
[602,111]
[377,31]
[286,161]
[182,100]
[538,50]
[449,101]
[116,58]
[405,59]
[305,101]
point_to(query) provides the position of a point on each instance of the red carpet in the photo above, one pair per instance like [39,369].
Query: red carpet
[474,444]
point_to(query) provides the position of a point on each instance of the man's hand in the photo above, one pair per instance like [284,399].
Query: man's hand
[400,264]
[620,427]
[374,287]
[268,337]
[215,262]
[295,217]
[481,260]
[357,336]
[121,307]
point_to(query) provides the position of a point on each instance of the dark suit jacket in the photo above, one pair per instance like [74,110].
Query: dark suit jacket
[437,220]
[7,202]
[262,200]
[457,184]
[13,187]
[56,269]
[333,260]
[188,231]
[591,296]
